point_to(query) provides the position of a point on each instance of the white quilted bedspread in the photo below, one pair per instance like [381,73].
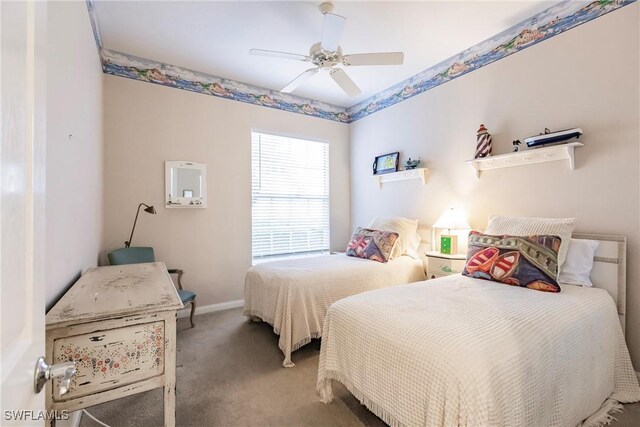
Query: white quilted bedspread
[462,351]
[294,295]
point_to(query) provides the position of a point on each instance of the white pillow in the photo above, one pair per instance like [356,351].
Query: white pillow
[412,247]
[577,267]
[522,226]
[406,229]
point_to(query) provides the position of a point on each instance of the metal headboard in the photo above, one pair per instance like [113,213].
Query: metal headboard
[610,268]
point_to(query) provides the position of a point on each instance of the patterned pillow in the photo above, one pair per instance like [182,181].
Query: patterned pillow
[523,226]
[372,244]
[527,261]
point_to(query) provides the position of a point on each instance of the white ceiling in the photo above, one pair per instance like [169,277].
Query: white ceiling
[215,37]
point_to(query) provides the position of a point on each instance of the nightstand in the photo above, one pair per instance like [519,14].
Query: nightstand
[439,264]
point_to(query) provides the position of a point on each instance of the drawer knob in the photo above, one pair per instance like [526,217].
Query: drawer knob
[44,373]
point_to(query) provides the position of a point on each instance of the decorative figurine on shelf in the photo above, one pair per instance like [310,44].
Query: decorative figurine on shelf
[483,149]
[548,137]
[411,164]
[516,143]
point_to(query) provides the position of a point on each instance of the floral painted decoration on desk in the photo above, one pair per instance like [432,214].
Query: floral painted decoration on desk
[98,360]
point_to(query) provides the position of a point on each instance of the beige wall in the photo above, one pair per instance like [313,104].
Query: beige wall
[73,165]
[587,77]
[146,125]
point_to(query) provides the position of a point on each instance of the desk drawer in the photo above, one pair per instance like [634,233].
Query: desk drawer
[111,358]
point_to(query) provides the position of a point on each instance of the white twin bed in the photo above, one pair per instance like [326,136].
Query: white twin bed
[294,295]
[456,351]
[464,351]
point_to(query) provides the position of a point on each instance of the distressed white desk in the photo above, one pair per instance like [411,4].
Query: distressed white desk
[118,324]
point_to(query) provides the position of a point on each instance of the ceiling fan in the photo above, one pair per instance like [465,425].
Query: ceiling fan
[326,54]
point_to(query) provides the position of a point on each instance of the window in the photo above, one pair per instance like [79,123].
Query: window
[290,196]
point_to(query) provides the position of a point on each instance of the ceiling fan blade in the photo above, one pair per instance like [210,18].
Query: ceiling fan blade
[382,58]
[293,85]
[276,54]
[345,82]
[332,31]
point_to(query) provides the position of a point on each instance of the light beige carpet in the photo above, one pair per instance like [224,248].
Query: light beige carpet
[230,374]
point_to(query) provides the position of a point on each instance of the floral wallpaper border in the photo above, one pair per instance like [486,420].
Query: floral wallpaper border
[553,21]
[94,26]
[133,67]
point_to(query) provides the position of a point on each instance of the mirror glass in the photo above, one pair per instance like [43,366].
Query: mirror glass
[185,184]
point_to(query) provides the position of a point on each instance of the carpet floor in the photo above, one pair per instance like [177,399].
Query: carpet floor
[229,373]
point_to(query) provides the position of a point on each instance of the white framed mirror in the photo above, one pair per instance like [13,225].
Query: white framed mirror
[185,184]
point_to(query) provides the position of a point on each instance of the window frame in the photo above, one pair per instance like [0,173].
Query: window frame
[306,138]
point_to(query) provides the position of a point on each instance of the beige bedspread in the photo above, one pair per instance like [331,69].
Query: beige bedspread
[294,295]
[458,351]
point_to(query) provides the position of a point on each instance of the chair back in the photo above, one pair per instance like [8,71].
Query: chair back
[131,256]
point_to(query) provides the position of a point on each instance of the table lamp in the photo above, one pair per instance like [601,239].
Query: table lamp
[451,219]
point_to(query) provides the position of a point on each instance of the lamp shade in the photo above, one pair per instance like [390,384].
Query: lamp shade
[453,219]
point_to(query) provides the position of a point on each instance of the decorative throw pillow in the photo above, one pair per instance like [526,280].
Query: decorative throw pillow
[372,244]
[524,226]
[406,229]
[526,261]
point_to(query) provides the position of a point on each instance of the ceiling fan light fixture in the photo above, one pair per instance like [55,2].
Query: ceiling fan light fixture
[327,53]
[326,7]
[332,31]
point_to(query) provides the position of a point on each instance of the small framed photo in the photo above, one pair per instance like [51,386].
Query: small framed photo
[187,193]
[386,163]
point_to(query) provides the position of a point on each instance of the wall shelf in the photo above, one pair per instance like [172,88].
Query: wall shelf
[526,157]
[405,175]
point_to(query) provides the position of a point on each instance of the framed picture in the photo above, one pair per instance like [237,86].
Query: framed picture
[386,163]
[187,193]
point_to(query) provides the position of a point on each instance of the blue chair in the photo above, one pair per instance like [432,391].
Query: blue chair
[142,255]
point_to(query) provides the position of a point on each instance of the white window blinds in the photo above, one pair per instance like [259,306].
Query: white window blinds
[290,196]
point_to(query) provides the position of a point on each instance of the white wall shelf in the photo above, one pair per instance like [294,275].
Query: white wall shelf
[526,157]
[405,175]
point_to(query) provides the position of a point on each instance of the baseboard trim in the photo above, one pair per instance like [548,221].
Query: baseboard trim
[211,308]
